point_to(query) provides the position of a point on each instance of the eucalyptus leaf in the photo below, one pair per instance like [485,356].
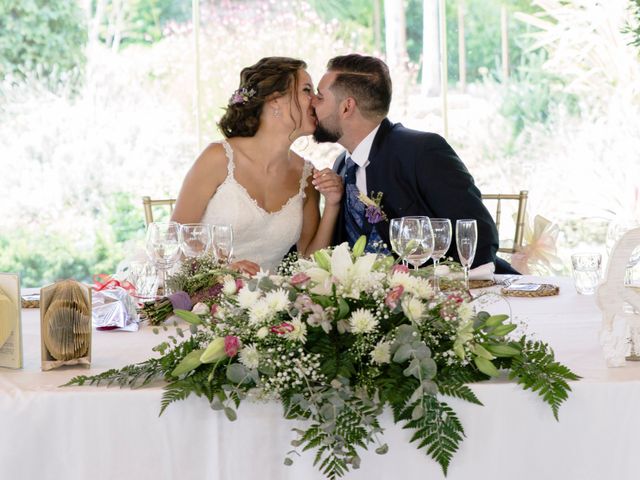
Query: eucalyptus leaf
[328,412]
[238,373]
[428,368]
[382,449]
[403,353]
[231,414]
[413,370]
[288,462]
[417,412]
[216,403]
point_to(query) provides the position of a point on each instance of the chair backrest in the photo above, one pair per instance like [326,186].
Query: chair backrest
[521,198]
[148,205]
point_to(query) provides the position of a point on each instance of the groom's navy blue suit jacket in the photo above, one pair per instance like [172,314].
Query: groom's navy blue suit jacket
[420,174]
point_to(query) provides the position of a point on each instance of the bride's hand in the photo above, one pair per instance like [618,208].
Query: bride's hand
[329,184]
[245,266]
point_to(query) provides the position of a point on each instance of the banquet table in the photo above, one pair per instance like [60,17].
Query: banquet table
[53,432]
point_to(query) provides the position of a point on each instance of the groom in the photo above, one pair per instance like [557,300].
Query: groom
[418,173]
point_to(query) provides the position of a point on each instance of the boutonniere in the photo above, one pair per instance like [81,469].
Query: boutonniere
[373,210]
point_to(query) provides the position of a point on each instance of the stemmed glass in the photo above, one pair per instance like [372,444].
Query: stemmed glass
[466,241]
[441,243]
[416,237]
[196,239]
[395,226]
[222,238]
[163,247]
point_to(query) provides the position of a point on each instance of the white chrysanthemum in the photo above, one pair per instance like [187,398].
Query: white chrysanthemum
[465,312]
[402,278]
[362,321]
[277,300]
[381,353]
[250,357]
[262,332]
[423,288]
[247,298]
[299,332]
[259,312]
[229,286]
[200,309]
[413,308]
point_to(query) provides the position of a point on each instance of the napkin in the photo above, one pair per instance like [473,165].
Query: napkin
[483,272]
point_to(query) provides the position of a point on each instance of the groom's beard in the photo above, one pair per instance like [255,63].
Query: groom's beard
[324,134]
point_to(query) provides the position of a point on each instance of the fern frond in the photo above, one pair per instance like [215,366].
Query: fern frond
[536,369]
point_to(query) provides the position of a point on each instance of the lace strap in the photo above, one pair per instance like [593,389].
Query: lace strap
[229,154]
[306,171]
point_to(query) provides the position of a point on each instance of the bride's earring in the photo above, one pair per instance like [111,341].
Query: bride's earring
[276,112]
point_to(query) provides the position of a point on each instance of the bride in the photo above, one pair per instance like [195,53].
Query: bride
[252,179]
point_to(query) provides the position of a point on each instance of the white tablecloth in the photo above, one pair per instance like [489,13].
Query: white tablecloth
[48,432]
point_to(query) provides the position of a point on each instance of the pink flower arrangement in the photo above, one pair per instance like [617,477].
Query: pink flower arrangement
[231,345]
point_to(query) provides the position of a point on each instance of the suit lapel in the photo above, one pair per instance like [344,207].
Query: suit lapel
[374,183]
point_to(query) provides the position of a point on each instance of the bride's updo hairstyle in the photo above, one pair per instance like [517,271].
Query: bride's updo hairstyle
[270,78]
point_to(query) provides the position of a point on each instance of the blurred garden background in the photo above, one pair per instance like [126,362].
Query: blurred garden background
[97,106]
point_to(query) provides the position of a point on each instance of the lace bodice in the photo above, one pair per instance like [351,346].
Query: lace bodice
[258,235]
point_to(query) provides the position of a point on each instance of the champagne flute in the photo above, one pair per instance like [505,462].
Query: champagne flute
[223,242]
[416,235]
[466,241]
[163,247]
[441,243]
[196,239]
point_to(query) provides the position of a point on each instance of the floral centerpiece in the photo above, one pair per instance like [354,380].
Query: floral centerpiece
[335,340]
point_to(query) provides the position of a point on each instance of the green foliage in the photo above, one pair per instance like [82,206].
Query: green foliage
[43,39]
[533,95]
[438,429]
[43,257]
[634,28]
[536,369]
[356,18]
[140,21]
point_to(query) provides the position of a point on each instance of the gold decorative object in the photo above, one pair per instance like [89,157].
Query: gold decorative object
[65,317]
[544,290]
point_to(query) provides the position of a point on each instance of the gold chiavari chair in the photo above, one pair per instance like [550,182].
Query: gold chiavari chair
[149,204]
[521,199]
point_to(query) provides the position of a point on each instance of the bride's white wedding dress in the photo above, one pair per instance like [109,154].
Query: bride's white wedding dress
[258,235]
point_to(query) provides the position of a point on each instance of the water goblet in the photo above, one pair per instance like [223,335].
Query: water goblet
[441,243]
[163,248]
[466,242]
[416,238]
[144,276]
[222,239]
[196,239]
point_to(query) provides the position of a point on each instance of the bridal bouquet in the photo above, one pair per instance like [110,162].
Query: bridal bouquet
[335,340]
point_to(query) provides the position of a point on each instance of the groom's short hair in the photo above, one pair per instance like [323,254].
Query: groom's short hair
[364,78]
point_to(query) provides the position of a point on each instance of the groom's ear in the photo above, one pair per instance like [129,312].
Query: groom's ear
[348,107]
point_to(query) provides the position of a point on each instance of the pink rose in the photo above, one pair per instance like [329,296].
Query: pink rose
[300,278]
[214,309]
[239,284]
[231,345]
[391,300]
[400,268]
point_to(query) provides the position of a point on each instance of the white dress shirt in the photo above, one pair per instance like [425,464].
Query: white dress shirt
[360,157]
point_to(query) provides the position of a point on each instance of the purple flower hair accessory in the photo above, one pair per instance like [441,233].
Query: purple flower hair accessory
[241,96]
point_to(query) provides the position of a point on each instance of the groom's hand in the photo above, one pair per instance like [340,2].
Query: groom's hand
[329,184]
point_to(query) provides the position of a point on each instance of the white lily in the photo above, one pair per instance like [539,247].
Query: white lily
[352,276]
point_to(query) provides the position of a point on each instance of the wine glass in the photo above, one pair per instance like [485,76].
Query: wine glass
[144,276]
[196,239]
[222,242]
[416,238]
[441,243]
[395,225]
[466,241]
[163,247]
